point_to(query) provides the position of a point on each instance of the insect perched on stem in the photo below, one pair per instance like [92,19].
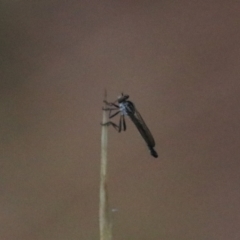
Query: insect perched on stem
[127,108]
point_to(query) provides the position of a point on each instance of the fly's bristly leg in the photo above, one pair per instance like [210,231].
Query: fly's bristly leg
[112,107]
[120,124]
[116,127]
[116,113]
[111,104]
[124,123]
[110,111]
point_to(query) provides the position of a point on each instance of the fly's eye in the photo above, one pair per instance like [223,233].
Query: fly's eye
[122,98]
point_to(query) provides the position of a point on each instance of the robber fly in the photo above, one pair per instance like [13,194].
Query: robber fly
[127,108]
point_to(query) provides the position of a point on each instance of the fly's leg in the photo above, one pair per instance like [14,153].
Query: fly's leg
[113,115]
[114,107]
[111,124]
[111,104]
[124,123]
[120,123]
[117,127]
[110,111]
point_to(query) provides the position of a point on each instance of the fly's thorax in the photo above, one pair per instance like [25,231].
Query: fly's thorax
[130,108]
[127,108]
[122,108]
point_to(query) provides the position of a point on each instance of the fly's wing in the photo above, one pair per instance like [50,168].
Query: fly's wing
[141,126]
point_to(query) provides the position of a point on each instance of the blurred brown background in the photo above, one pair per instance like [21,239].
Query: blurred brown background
[178,61]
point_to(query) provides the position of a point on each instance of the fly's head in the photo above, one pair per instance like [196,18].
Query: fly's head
[122,98]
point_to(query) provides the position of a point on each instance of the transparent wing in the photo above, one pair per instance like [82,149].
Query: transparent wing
[142,127]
